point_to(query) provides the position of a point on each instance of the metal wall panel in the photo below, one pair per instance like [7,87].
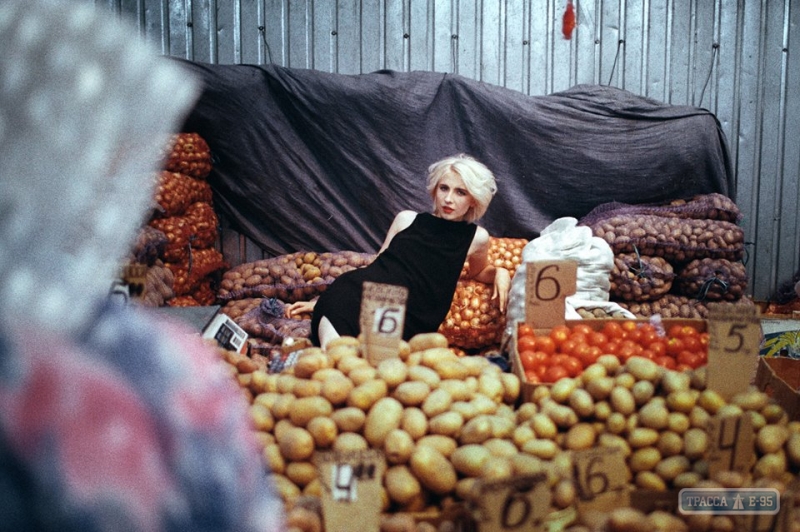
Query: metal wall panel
[738,58]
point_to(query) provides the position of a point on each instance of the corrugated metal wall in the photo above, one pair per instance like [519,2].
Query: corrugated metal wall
[740,59]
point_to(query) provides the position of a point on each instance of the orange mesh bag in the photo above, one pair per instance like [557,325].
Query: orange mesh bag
[189,154]
[503,253]
[200,191]
[178,231]
[183,301]
[204,223]
[203,292]
[474,320]
[174,193]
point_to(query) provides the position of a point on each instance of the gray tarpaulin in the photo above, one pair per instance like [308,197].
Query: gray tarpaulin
[308,160]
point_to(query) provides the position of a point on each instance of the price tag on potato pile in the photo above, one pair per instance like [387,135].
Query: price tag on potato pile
[520,503]
[601,478]
[383,315]
[733,349]
[351,489]
[730,445]
[547,285]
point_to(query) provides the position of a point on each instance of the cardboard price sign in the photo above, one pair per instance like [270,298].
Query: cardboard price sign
[734,345]
[520,503]
[600,477]
[731,445]
[382,317]
[547,285]
[351,486]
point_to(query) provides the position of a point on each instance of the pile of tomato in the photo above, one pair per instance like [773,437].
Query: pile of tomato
[566,350]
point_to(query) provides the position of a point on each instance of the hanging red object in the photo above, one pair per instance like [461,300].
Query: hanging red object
[568,22]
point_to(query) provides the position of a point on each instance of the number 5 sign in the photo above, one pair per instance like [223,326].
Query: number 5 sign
[383,313]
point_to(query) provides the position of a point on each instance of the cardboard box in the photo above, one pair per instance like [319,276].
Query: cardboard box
[779,378]
[527,388]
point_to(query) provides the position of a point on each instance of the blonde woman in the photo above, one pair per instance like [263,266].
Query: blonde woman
[424,252]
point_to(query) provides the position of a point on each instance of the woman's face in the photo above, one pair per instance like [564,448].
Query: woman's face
[451,199]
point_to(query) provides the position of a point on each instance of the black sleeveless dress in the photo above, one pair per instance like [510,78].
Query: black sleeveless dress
[426,257]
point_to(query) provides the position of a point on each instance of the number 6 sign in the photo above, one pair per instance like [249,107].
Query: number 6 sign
[547,284]
[383,312]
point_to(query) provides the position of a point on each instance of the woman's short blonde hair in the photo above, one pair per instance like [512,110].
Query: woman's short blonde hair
[478,179]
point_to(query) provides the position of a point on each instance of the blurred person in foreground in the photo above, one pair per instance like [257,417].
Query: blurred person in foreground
[111,419]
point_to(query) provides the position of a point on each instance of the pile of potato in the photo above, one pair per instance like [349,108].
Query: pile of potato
[445,422]
[672,259]
[299,276]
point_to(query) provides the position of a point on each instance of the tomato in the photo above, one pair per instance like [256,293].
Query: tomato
[526,343]
[545,344]
[579,337]
[683,367]
[690,359]
[687,331]
[525,330]
[558,359]
[674,331]
[568,346]
[674,346]
[581,351]
[659,347]
[612,329]
[625,351]
[559,334]
[582,328]
[666,361]
[649,336]
[691,343]
[597,338]
[527,359]
[704,338]
[532,377]
[591,356]
[573,366]
[628,326]
[554,373]
[612,347]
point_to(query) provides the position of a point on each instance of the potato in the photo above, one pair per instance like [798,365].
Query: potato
[580,436]
[349,419]
[366,394]
[286,489]
[393,371]
[476,430]
[362,374]
[414,422]
[309,361]
[497,468]
[448,368]
[458,390]
[444,444]
[282,406]
[654,415]
[398,446]
[526,464]
[627,519]
[336,389]
[501,447]
[424,374]
[491,385]
[296,444]
[433,470]
[644,459]
[301,473]
[581,402]
[307,388]
[642,437]
[771,438]
[469,459]
[425,341]
[649,480]
[544,449]
[437,402]
[350,441]
[383,417]
[446,424]
[305,409]
[669,468]
[695,443]
[324,431]
[261,417]
[401,484]
[621,399]
[511,387]
[411,393]
[274,459]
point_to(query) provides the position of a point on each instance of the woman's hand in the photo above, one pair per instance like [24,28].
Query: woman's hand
[502,285]
[298,308]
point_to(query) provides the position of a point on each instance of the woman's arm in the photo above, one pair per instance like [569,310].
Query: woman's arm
[481,269]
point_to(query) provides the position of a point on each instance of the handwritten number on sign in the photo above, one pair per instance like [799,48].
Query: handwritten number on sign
[592,483]
[344,482]
[386,320]
[734,332]
[540,283]
[515,499]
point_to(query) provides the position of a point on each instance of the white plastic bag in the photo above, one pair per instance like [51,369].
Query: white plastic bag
[564,240]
